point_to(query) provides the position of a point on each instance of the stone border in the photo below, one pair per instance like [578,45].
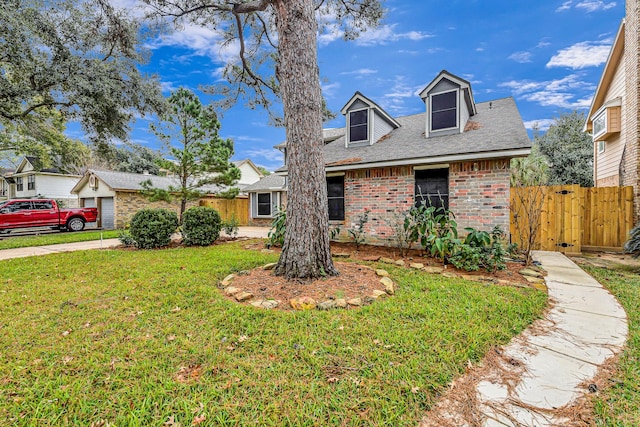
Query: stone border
[308,303]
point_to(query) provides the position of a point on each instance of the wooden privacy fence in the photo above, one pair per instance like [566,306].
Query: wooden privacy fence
[227,208]
[572,219]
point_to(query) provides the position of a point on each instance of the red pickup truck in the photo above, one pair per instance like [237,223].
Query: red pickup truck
[26,213]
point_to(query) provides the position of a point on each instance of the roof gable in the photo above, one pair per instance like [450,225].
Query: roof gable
[360,101]
[443,77]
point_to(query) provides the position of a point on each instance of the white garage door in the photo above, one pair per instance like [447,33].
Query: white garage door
[107,213]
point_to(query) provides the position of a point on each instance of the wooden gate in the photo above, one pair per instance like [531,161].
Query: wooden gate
[572,219]
[228,208]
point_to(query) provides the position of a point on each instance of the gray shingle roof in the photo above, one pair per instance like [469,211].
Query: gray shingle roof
[123,181]
[271,182]
[496,129]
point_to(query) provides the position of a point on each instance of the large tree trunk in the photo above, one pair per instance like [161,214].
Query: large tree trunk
[306,252]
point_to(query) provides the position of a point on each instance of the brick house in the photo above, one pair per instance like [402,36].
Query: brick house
[613,117]
[117,195]
[456,153]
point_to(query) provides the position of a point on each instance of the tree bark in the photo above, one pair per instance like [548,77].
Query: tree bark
[306,252]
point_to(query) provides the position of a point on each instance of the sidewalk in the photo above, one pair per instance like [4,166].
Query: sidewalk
[536,378]
[249,232]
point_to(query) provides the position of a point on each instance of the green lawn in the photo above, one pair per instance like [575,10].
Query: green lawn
[138,338]
[619,405]
[54,238]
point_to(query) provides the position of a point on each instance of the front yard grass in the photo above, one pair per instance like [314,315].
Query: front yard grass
[619,405]
[55,238]
[134,338]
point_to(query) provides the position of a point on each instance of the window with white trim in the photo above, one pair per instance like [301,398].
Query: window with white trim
[601,146]
[31,182]
[264,204]
[600,124]
[444,110]
[359,125]
[19,184]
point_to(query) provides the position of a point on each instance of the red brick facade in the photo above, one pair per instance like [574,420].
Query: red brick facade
[478,195]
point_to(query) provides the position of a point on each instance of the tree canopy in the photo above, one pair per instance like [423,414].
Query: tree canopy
[197,156]
[277,57]
[78,57]
[568,150]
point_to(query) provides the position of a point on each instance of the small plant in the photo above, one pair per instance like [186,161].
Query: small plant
[334,232]
[230,226]
[357,232]
[125,238]
[278,226]
[201,226]
[632,246]
[152,228]
[481,249]
[403,227]
[436,229]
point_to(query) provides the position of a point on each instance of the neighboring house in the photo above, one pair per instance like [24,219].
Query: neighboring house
[118,195]
[613,116]
[265,198]
[456,154]
[5,187]
[249,173]
[30,180]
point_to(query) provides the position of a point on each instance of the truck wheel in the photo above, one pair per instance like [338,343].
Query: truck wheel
[75,224]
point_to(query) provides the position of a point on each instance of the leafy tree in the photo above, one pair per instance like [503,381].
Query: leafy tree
[282,35]
[569,150]
[264,171]
[133,158]
[200,157]
[78,57]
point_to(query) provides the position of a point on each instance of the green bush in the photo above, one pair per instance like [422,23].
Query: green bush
[481,249]
[152,228]
[278,227]
[200,226]
[231,227]
[632,246]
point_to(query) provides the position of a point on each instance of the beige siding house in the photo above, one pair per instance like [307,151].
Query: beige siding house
[613,116]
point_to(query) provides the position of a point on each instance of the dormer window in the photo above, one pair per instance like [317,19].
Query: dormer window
[444,110]
[359,125]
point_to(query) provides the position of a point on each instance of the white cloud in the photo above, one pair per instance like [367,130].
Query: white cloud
[359,72]
[565,6]
[560,93]
[540,124]
[272,157]
[521,57]
[329,89]
[581,55]
[371,37]
[394,100]
[593,6]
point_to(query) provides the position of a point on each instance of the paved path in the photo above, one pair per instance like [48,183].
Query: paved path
[251,232]
[536,378]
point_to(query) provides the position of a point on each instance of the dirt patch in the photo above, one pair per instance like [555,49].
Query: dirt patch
[607,260]
[355,280]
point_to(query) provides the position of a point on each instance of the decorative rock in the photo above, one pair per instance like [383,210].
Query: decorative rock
[471,277]
[356,302]
[433,270]
[341,303]
[231,291]
[534,279]
[382,273]
[303,303]
[399,262]
[378,294]
[449,275]
[530,272]
[539,286]
[267,251]
[341,255]
[327,305]
[389,286]
[372,258]
[267,304]
[269,266]
[368,300]
[416,265]
[387,260]
[243,296]
[225,282]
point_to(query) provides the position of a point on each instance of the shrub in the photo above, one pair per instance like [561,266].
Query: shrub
[200,226]
[436,229]
[152,228]
[230,226]
[125,238]
[632,246]
[278,227]
[357,230]
[480,249]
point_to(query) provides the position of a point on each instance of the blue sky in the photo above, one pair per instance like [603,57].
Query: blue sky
[548,55]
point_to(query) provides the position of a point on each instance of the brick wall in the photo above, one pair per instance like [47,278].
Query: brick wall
[631,165]
[478,195]
[127,204]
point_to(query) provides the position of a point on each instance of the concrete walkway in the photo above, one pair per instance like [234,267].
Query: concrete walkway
[540,375]
[248,232]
